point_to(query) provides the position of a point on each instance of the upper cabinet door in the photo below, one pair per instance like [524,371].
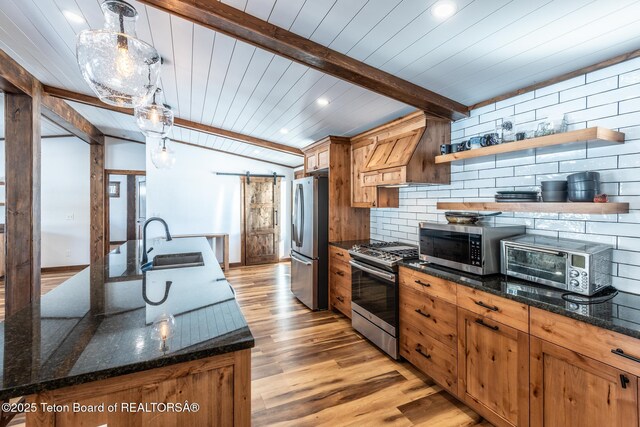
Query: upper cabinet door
[323,158]
[568,388]
[361,196]
[394,151]
[311,162]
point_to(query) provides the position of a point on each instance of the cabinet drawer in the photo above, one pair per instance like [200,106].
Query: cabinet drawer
[428,315]
[430,356]
[599,344]
[340,273]
[434,286]
[500,309]
[339,254]
[341,299]
[391,176]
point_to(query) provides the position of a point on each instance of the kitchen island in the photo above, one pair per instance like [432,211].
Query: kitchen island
[117,346]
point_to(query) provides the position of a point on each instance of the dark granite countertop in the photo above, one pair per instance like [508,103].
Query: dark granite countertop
[620,312]
[348,244]
[98,324]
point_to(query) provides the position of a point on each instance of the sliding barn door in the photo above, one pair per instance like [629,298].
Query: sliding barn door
[261,220]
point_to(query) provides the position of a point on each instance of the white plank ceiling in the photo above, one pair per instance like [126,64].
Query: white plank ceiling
[487,48]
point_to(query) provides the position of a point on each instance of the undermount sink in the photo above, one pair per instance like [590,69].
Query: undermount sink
[190,259]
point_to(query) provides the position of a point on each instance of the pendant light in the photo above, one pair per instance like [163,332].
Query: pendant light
[155,120]
[163,157]
[120,68]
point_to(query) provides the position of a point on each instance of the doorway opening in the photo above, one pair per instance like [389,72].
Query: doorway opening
[126,205]
[260,225]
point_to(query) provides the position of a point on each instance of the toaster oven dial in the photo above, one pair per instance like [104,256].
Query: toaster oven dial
[574,283]
[574,273]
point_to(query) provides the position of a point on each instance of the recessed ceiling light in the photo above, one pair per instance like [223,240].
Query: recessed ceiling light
[284,131]
[73,17]
[256,151]
[323,102]
[444,9]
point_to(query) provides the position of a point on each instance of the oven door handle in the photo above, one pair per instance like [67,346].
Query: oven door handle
[536,249]
[374,271]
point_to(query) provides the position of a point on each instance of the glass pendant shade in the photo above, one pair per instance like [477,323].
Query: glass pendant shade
[121,69]
[154,120]
[162,156]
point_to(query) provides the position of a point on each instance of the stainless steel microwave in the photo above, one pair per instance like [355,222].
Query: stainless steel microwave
[471,248]
[576,266]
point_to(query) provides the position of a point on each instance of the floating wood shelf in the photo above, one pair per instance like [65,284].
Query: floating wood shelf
[594,134]
[567,207]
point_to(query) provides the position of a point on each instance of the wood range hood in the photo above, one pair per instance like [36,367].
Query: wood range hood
[403,152]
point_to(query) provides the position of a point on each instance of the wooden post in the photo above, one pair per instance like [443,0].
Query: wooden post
[22,166]
[99,247]
[131,207]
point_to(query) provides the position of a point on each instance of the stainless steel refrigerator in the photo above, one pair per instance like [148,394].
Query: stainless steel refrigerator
[309,241]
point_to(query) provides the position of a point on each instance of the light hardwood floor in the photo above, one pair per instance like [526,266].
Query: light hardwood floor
[313,369]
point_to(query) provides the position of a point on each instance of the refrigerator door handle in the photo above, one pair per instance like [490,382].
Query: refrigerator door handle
[300,260]
[294,220]
[301,228]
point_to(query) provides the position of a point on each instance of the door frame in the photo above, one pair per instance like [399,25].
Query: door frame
[107,175]
[243,234]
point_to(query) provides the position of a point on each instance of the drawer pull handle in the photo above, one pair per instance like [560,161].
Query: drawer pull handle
[480,322]
[341,299]
[488,307]
[340,273]
[621,353]
[339,254]
[422,313]
[420,282]
[624,380]
[425,355]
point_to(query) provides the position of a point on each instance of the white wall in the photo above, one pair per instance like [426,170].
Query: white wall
[609,97]
[118,211]
[192,199]
[65,202]
[124,155]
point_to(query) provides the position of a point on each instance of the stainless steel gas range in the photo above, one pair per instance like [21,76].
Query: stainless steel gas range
[374,291]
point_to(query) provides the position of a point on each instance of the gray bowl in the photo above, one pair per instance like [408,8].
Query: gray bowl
[582,196]
[554,196]
[584,186]
[554,185]
[583,176]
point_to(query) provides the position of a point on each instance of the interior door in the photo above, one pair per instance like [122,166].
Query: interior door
[261,220]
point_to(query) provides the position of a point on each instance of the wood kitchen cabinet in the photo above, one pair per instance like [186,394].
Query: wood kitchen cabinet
[317,159]
[493,369]
[570,389]
[340,280]
[363,196]
[331,157]
[428,332]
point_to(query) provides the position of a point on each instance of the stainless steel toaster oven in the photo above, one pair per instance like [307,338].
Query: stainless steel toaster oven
[576,266]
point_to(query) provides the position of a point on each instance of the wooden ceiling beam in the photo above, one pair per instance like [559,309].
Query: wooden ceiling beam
[182,123]
[15,79]
[61,113]
[242,26]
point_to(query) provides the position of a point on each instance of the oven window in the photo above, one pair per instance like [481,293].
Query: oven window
[538,264]
[374,294]
[447,245]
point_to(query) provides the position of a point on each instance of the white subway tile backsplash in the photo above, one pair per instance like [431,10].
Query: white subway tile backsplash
[537,169]
[495,172]
[616,95]
[608,98]
[613,228]
[563,85]
[589,164]
[536,103]
[589,89]
[614,70]
[629,106]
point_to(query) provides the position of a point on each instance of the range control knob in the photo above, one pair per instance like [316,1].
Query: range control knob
[574,283]
[574,273]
